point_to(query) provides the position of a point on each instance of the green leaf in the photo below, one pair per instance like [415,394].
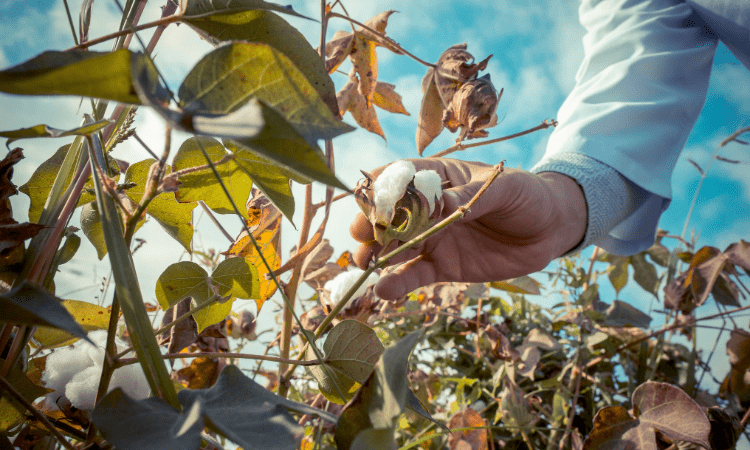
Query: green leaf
[618,272]
[12,412]
[644,273]
[203,185]
[250,415]
[238,278]
[159,426]
[181,280]
[29,304]
[76,72]
[269,177]
[380,401]
[91,224]
[38,131]
[234,277]
[88,315]
[176,218]
[279,142]
[207,8]
[414,405]
[351,351]
[267,27]
[39,185]
[521,285]
[229,76]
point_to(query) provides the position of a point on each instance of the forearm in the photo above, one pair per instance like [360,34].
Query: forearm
[571,211]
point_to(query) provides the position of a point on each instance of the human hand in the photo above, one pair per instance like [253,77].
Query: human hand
[521,223]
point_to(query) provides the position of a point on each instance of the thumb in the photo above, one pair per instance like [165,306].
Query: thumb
[459,196]
[406,277]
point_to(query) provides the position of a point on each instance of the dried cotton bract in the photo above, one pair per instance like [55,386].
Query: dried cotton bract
[401,203]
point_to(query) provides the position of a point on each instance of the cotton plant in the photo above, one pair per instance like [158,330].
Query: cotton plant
[75,371]
[402,202]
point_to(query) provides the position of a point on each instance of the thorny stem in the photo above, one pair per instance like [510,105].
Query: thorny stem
[41,417]
[313,362]
[383,36]
[459,147]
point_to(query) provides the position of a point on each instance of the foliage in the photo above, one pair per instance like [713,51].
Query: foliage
[467,366]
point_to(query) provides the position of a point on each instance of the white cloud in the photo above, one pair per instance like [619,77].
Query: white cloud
[732,82]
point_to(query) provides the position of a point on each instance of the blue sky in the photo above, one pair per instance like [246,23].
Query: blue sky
[536,47]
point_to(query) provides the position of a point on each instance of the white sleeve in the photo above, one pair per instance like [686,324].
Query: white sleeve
[638,93]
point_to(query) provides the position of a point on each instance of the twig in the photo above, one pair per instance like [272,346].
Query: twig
[215,220]
[334,199]
[568,426]
[312,362]
[543,126]
[734,136]
[382,36]
[41,417]
[161,22]
[70,21]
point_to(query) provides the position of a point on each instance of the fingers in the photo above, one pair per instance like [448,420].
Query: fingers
[361,229]
[405,278]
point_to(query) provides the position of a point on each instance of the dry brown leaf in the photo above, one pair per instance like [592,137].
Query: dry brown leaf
[337,49]
[318,278]
[430,122]
[379,23]
[365,63]
[200,374]
[467,439]
[738,379]
[388,99]
[365,116]
[12,233]
[183,333]
[473,109]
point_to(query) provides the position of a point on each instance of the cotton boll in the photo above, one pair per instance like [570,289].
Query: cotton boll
[81,390]
[429,183]
[341,284]
[390,187]
[62,365]
[132,380]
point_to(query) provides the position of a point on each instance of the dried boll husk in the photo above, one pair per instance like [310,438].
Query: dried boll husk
[473,109]
[412,213]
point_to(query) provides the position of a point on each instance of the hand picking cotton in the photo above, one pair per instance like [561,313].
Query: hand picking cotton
[402,202]
[75,372]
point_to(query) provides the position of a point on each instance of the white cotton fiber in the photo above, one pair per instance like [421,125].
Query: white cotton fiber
[75,372]
[429,183]
[389,187]
[341,284]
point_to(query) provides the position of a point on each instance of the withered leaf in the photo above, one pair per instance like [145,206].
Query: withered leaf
[317,258]
[337,49]
[12,234]
[365,63]
[356,104]
[473,109]
[183,333]
[388,99]
[200,374]
[430,122]
[379,23]
[738,349]
[739,254]
[467,439]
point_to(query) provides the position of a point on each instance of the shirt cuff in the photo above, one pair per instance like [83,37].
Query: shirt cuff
[622,216]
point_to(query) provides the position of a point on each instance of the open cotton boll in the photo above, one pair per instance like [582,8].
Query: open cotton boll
[390,187]
[81,389]
[62,365]
[132,380]
[341,284]
[429,183]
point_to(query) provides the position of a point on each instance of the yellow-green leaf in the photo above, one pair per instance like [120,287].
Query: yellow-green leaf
[237,277]
[39,131]
[520,285]
[77,72]
[88,315]
[212,314]
[229,76]
[40,183]
[176,218]
[269,28]
[203,185]
[181,280]
[12,412]
[91,224]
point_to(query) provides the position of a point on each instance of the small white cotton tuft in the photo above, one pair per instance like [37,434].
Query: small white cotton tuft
[81,390]
[75,372]
[429,183]
[389,187]
[341,284]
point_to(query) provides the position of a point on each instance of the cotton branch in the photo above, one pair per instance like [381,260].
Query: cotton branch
[460,146]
